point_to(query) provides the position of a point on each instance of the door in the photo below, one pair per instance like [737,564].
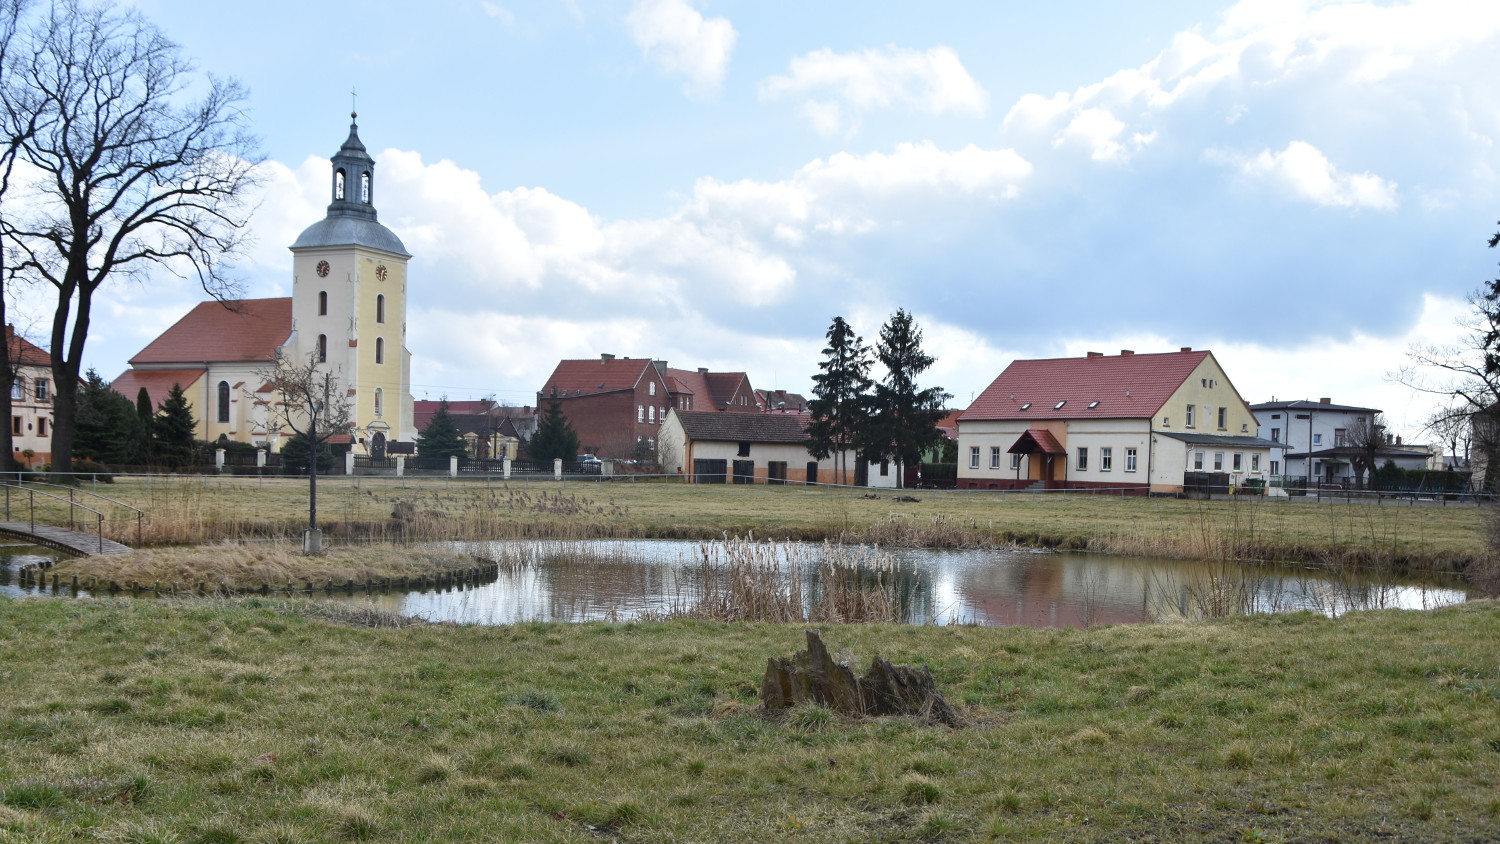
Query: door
[776,472]
[377,445]
[812,471]
[861,473]
[709,471]
[744,471]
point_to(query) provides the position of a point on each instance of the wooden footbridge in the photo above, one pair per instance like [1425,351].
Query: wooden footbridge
[38,521]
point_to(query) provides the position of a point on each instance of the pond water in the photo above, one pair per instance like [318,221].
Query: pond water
[622,580]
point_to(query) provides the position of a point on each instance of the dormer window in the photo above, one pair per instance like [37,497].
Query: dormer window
[1059,405]
[338,184]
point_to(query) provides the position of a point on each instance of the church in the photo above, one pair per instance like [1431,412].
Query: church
[347,311]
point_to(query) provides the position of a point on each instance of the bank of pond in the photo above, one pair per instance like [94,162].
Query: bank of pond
[576,581]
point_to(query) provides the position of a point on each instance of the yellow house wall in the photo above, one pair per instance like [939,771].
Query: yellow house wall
[1207,390]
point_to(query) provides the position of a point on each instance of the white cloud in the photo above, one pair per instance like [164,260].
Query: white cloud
[839,87]
[499,12]
[680,41]
[1302,169]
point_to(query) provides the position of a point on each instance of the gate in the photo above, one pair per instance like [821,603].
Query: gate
[744,471]
[710,471]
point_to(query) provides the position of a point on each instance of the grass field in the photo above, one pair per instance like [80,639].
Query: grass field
[206,509]
[153,722]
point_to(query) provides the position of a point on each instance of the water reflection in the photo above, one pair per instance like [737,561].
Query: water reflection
[587,581]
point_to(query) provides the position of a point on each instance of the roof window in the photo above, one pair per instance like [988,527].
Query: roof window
[1059,405]
[1093,404]
[1026,406]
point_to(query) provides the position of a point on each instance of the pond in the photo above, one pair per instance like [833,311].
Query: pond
[624,580]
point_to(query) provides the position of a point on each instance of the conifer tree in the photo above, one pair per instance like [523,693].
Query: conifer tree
[841,407]
[147,418]
[903,426]
[108,428]
[174,428]
[554,437]
[441,438]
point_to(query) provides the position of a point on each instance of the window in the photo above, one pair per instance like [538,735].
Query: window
[322,348]
[885,468]
[380,350]
[223,401]
[744,449]
[1275,435]
[338,184]
[1106,459]
[1235,463]
[1083,459]
[1218,461]
[1015,461]
[994,457]
[41,426]
[322,303]
[1339,436]
[1255,462]
[1275,467]
[18,389]
[1130,460]
[651,388]
[1317,439]
[1276,416]
[1166,421]
[973,457]
[379,402]
[15,426]
[364,188]
[380,308]
[1197,461]
[43,389]
[1223,416]
[640,413]
[651,414]
[662,415]
[1189,421]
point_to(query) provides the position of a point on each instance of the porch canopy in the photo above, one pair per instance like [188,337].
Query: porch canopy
[1037,441]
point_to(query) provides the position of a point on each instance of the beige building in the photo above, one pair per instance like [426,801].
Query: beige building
[30,401]
[347,311]
[710,447]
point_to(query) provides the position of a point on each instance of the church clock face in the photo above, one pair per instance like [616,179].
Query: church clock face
[323,269]
[380,272]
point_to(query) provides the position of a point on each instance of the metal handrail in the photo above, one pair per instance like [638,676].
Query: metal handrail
[139,513]
[99,523]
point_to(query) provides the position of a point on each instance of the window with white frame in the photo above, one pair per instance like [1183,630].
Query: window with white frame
[651,414]
[640,413]
[1083,458]
[1130,460]
[1197,461]
[1106,459]
[994,457]
[1236,463]
[1223,412]
[18,389]
[651,388]
[1317,439]
[1255,462]
[43,389]
[1218,461]
[973,457]
[1015,461]
[1275,435]
[1275,467]
[1188,423]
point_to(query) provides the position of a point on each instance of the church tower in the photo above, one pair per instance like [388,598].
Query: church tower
[349,302]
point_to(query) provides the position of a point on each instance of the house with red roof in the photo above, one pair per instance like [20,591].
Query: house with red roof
[708,447]
[346,315]
[1146,423]
[30,401]
[617,405]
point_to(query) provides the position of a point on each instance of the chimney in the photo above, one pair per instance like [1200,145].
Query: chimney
[703,369]
[1185,349]
[1325,401]
[1125,353]
[1398,439]
[1096,354]
[604,358]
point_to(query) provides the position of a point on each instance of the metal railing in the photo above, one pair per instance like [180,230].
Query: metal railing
[73,505]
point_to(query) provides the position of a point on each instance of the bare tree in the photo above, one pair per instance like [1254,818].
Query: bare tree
[119,174]
[1454,431]
[1365,438]
[1466,378]
[10,17]
[315,406]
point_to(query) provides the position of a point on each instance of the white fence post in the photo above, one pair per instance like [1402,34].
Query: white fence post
[349,462]
[452,465]
[400,465]
[557,468]
[219,459]
[260,458]
[505,466]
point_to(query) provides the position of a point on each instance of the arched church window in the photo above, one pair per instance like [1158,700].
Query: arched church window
[338,184]
[379,402]
[380,308]
[380,350]
[223,401]
[322,348]
[364,188]
[322,303]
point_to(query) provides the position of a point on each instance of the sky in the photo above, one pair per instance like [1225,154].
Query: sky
[1305,188]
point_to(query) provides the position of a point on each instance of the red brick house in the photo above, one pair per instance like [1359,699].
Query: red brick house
[614,404]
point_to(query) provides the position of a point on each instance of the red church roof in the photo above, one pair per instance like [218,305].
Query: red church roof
[158,382]
[232,331]
[1126,386]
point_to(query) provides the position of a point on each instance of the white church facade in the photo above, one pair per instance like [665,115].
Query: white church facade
[347,312]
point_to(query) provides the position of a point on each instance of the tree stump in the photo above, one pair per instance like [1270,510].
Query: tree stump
[815,676]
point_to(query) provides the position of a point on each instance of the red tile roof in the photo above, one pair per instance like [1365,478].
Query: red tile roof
[1125,386]
[238,330]
[158,382]
[1042,440]
[711,389]
[23,352]
[586,377]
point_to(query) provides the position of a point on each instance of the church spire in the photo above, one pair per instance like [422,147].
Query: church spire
[353,178]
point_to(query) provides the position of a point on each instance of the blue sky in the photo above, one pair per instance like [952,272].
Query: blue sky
[1304,187]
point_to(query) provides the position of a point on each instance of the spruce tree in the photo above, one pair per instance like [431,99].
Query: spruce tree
[108,429]
[147,416]
[841,407]
[441,438]
[904,424]
[174,428]
[554,437]
[294,455]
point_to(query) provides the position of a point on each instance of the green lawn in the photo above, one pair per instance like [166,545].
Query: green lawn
[155,721]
